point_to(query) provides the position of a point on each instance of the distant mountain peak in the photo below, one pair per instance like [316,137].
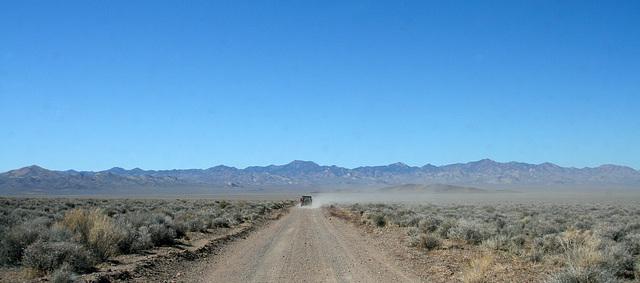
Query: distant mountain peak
[549,166]
[33,168]
[29,170]
[399,164]
[296,162]
[301,163]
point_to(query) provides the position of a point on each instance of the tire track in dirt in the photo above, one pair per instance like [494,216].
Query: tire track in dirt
[305,246]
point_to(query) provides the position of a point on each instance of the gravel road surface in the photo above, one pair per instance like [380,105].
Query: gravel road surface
[305,246]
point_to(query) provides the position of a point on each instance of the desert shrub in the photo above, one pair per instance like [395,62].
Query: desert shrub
[127,236]
[103,238]
[143,230]
[616,258]
[518,242]
[590,274]
[11,248]
[591,258]
[535,256]
[161,233]
[277,205]
[446,226]
[580,248]
[414,236]
[45,257]
[235,218]
[477,269]
[613,232]
[406,220]
[59,233]
[512,229]
[583,238]
[582,225]
[95,230]
[546,228]
[378,220]
[633,242]
[429,224]
[64,274]
[469,231]
[17,238]
[108,227]
[430,241]
[223,204]
[251,216]
[260,209]
[497,242]
[220,222]
[142,240]
[195,223]
[547,244]
[79,223]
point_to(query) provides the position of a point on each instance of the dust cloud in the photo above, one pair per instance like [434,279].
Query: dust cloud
[321,199]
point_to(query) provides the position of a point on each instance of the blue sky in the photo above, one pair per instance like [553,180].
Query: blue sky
[90,85]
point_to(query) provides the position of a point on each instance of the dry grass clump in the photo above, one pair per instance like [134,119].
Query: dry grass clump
[580,248]
[64,237]
[94,230]
[477,270]
[430,241]
[427,241]
[590,258]
[581,240]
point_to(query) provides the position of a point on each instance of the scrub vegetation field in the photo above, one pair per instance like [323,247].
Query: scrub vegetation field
[424,238]
[63,237]
[551,241]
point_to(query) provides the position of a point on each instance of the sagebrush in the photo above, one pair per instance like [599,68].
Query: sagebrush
[64,237]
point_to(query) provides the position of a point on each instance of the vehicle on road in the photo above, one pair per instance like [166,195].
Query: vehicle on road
[306,201]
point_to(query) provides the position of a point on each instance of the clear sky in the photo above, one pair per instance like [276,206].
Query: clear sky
[89,85]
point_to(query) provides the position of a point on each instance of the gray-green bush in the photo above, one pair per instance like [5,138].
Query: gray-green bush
[64,274]
[45,257]
[62,237]
[430,241]
[585,240]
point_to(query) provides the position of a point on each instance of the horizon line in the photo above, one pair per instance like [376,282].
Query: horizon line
[309,161]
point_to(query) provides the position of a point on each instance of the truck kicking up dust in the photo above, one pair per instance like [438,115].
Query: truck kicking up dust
[306,201]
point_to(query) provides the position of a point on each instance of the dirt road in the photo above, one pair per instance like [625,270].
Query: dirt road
[305,246]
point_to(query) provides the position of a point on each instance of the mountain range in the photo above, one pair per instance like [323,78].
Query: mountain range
[485,174]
